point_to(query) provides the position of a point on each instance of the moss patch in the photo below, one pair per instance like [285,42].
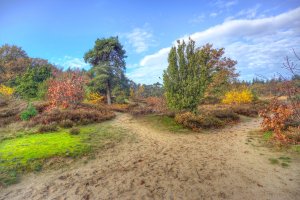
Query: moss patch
[28,152]
[165,123]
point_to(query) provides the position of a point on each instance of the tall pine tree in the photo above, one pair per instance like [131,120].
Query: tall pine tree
[108,64]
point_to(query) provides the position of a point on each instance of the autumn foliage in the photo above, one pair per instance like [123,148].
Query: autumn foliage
[238,97]
[95,98]
[275,117]
[66,90]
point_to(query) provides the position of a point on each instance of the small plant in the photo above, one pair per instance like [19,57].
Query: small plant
[48,128]
[29,112]
[74,131]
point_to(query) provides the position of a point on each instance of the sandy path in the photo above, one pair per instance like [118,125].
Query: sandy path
[162,165]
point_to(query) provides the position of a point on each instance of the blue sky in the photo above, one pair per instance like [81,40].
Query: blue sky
[258,34]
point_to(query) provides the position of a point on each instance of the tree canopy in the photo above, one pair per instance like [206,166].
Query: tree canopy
[108,64]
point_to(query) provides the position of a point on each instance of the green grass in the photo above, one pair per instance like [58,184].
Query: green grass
[28,152]
[273,161]
[284,164]
[267,135]
[296,148]
[285,159]
[165,123]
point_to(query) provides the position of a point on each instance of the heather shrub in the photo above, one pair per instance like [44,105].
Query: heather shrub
[246,110]
[28,113]
[81,115]
[226,115]
[44,128]
[197,122]
[120,107]
[74,131]
[66,123]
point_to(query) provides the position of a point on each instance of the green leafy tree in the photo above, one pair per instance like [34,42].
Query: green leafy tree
[192,72]
[29,84]
[108,64]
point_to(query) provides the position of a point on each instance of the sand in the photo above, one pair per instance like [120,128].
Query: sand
[162,165]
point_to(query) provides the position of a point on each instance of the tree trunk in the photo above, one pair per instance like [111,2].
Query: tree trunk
[108,93]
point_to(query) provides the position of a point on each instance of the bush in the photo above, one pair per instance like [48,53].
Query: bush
[28,113]
[196,122]
[120,107]
[226,115]
[48,128]
[66,123]
[66,90]
[246,110]
[6,91]
[3,102]
[238,97]
[74,131]
[84,114]
[95,98]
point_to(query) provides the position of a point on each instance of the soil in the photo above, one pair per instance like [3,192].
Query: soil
[221,164]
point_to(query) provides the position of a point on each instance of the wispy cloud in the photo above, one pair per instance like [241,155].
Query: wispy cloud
[70,62]
[224,4]
[214,14]
[259,45]
[140,39]
[197,19]
[249,13]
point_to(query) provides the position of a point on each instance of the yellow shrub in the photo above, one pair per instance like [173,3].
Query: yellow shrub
[6,91]
[238,97]
[95,98]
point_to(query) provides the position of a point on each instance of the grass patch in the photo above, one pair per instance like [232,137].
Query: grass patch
[165,123]
[296,148]
[267,135]
[284,164]
[273,161]
[285,159]
[28,152]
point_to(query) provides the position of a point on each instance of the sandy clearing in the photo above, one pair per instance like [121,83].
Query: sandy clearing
[160,165]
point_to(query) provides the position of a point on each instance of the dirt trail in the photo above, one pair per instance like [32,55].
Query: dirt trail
[161,165]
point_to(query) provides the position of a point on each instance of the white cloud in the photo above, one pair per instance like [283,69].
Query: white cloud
[259,45]
[70,62]
[140,39]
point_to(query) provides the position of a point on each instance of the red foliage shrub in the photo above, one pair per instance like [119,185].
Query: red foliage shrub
[274,118]
[66,90]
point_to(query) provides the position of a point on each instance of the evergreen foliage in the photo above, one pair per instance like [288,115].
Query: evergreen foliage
[194,73]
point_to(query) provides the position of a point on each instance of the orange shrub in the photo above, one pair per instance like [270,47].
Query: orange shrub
[275,117]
